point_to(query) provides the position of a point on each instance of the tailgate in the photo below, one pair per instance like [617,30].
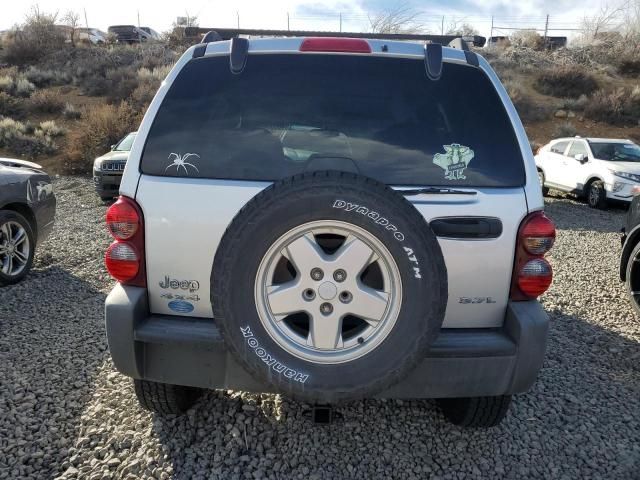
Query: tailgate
[186,218]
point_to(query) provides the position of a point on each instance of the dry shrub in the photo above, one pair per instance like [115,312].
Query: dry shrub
[46,101]
[6,84]
[70,112]
[101,127]
[567,129]
[143,94]
[527,39]
[23,87]
[157,74]
[618,107]
[528,109]
[45,77]
[565,82]
[629,66]
[10,106]
[23,140]
[49,128]
[576,104]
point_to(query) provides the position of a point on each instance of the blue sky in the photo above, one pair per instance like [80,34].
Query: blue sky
[315,14]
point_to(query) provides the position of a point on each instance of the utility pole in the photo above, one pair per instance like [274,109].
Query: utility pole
[341,21]
[138,18]
[442,26]
[546,30]
[238,18]
[288,22]
[491,35]
[86,22]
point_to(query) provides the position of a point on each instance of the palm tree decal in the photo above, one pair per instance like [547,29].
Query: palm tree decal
[180,161]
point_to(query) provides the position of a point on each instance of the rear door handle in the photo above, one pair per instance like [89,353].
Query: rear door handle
[467,227]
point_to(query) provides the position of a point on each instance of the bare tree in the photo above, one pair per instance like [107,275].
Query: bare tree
[38,36]
[460,27]
[400,19]
[72,20]
[607,19]
[177,33]
[632,23]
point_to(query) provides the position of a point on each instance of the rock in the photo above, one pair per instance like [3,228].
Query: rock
[560,114]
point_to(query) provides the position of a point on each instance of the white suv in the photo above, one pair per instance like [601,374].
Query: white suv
[330,219]
[597,168]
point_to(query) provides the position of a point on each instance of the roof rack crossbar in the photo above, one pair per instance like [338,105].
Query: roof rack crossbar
[229,33]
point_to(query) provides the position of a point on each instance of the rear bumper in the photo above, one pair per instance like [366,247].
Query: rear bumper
[190,351]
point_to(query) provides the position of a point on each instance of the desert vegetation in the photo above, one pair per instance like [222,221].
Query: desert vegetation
[71,101]
[66,102]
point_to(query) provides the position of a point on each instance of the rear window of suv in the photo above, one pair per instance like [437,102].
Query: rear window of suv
[289,113]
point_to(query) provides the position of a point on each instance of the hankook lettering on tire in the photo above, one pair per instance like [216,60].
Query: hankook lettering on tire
[278,367]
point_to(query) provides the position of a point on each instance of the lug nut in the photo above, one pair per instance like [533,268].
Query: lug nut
[346,297]
[340,275]
[308,294]
[326,309]
[317,274]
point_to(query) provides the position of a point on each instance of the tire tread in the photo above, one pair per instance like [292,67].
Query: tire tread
[163,398]
[476,412]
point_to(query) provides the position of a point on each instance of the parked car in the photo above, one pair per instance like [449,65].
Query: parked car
[154,35]
[132,34]
[599,169]
[331,219]
[27,210]
[630,257]
[107,169]
[93,35]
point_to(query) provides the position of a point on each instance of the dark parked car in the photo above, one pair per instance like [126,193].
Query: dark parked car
[27,210]
[107,169]
[630,258]
[133,34]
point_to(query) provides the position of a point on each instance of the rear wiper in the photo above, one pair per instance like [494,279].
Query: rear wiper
[436,190]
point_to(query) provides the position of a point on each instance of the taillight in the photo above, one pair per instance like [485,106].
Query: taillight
[124,258]
[532,274]
[537,233]
[335,44]
[122,261]
[122,219]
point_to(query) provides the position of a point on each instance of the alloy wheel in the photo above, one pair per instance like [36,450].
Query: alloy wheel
[328,292]
[14,248]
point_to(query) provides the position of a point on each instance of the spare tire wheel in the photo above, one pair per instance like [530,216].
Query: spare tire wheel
[329,286]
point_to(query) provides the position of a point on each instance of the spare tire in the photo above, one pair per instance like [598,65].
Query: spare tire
[329,286]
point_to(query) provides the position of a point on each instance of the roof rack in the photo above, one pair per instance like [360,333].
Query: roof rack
[229,33]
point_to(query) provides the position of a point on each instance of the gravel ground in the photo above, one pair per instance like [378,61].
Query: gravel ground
[65,412]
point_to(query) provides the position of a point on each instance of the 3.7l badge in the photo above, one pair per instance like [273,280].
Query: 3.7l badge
[467,300]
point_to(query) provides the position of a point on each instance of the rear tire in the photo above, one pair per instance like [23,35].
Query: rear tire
[597,195]
[545,190]
[164,398]
[475,412]
[11,223]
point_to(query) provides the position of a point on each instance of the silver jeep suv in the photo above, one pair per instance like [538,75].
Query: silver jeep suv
[330,219]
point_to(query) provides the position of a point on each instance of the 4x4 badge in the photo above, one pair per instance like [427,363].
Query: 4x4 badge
[454,161]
